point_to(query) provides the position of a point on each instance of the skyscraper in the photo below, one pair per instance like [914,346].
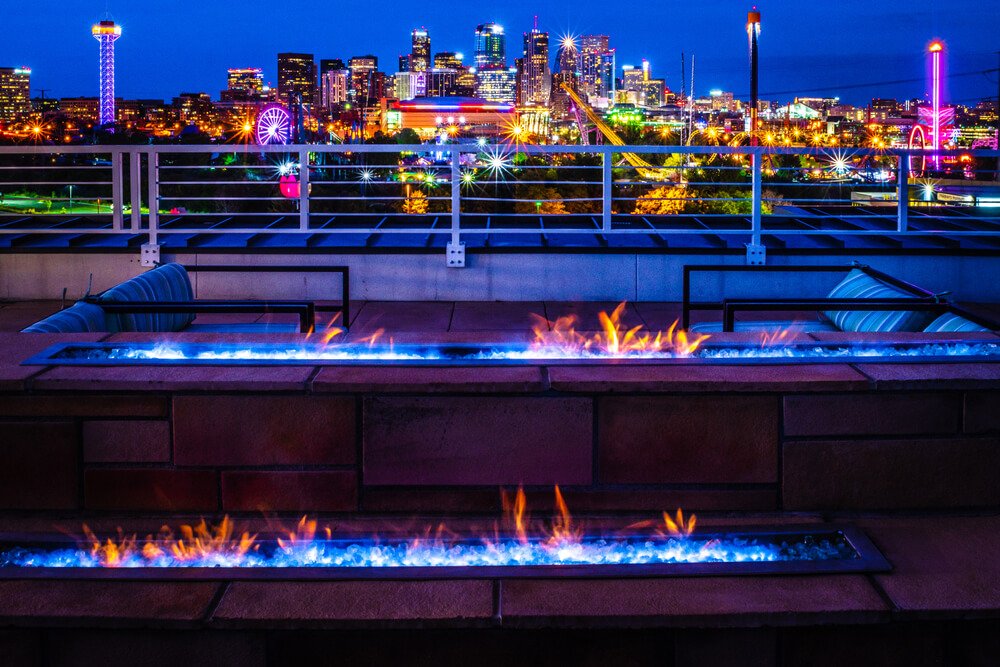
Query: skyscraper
[243,84]
[568,62]
[420,53]
[297,76]
[592,50]
[107,33]
[334,87]
[15,92]
[640,87]
[497,85]
[535,77]
[365,82]
[491,47]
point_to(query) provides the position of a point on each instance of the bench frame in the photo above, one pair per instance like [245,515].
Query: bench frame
[923,300]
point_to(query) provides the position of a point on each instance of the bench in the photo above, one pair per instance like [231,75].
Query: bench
[865,301]
[162,300]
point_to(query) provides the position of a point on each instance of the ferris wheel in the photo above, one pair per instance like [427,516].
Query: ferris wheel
[274,125]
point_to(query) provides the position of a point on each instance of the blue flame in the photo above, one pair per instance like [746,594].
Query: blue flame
[500,553]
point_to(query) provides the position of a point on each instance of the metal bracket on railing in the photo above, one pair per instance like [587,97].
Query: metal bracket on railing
[456,255]
[149,255]
[756,254]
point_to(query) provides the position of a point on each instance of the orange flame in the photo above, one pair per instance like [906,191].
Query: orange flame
[775,338]
[677,527]
[195,542]
[562,524]
[303,534]
[515,513]
[614,338]
[202,541]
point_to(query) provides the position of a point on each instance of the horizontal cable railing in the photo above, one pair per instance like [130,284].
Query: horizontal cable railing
[497,190]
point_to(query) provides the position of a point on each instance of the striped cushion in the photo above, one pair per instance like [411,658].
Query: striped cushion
[951,323]
[81,317]
[169,282]
[860,285]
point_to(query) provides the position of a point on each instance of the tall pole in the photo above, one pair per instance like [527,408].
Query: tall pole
[997,147]
[107,33]
[753,33]
[935,50]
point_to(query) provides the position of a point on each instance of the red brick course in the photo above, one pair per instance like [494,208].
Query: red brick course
[891,474]
[39,464]
[688,439]
[714,379]
[693,601]
[283,491]
[83,405]
[151,489]
[134,441]
[873,414]
[490,440]
[105,602]
[304,602]
[263,430]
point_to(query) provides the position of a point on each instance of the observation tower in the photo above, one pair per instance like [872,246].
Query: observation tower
[107,33]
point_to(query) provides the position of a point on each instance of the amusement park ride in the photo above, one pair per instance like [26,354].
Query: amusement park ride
[934,124]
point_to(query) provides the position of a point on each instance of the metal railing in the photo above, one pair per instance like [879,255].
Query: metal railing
[463,191]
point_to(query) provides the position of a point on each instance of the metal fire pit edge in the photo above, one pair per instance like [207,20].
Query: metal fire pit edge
[870,560]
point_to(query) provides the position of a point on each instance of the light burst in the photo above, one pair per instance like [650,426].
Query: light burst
[498,162]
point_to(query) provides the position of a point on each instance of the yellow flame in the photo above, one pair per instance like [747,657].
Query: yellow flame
[677,526]
[614,338]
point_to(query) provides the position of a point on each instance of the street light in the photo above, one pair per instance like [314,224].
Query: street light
[71,199]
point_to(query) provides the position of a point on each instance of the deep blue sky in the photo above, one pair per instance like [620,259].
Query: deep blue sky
[188,45]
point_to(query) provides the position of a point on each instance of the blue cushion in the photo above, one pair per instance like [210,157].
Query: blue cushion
[81,317]
[952,323]
[169,282]
[860,285]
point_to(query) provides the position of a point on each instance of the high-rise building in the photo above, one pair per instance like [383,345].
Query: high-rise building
[568,64]
[404,62]
[330,65]
[593,52]
[535,78]
[607,84]
[442,83]
[334,82]
[107,33]
[497,85]
[15,92]
[297,76]
[448,60]
[420,53]
[464,84]
[640,88]
[335,85]
[366,82]
[410,84]
[491,47]
[243,84]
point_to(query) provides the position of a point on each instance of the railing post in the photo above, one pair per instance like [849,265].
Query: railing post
[117,190]
[303,189]
[606,188]
[135,189]
[902,193]
[150,255]
[756,253]
[456,249]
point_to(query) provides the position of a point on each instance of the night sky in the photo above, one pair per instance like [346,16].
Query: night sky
[809,48]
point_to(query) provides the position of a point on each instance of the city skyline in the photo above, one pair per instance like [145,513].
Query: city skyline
[216,40]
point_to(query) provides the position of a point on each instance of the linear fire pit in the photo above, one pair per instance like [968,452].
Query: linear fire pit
[790,549]
[230,354]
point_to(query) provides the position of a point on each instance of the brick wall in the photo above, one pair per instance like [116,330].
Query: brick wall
[758,444]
